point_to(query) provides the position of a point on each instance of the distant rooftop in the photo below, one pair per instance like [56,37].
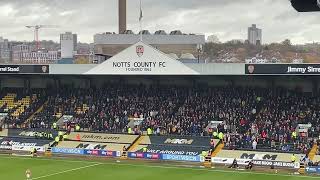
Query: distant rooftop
[159,37]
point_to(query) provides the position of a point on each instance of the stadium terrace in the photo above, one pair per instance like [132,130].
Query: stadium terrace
[242,116]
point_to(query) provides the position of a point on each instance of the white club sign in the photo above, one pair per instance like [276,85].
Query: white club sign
[141,59]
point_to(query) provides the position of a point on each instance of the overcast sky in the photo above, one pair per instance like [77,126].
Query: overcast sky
[228,19]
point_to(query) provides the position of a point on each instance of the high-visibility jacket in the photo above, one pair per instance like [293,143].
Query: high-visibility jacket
[294,134]
[204,153]
[258,99]
[215,134]
[129,130]
[77,128]
[293,158]
[144,149]
[220,135]
[57,139]
[149,131]
[54,125]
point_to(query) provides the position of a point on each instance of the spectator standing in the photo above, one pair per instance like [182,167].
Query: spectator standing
[254,145]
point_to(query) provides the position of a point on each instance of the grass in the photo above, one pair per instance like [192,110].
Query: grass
[13,168]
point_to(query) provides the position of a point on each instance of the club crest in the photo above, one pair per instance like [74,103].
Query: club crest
[140,50]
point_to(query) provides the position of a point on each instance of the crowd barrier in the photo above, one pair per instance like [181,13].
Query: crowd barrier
[278,164]
[133,155]
[186,158]
[85,152]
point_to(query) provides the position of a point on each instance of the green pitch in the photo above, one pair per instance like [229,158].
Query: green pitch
[13,168]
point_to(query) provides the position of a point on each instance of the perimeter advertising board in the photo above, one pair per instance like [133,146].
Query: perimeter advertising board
[176,145]
[181,141]
[139,155]
[100,137]
[134,155]
[171,150]
[93,145]
[172,157]
[313,170]
[279,164]
[28,148]
[256,155]
[282,69]
[67,150]
[103,153]
[24,69]
[182,158]
[33,133]
[8,143]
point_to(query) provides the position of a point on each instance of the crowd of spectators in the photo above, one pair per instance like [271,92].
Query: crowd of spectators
[252,118]
[37,99]
[110,107]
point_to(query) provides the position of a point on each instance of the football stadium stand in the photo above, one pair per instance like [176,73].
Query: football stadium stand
[168,121]
[268,117]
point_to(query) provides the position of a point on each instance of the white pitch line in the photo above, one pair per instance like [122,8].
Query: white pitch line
[170,166]
[70,170]
[59,159]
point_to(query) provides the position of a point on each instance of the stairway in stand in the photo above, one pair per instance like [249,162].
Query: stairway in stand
[217,149]
[135,143]
[313,152]
[38,110]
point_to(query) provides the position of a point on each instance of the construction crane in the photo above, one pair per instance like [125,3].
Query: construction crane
[36,32]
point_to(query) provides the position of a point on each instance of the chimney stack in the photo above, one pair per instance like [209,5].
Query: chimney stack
[122,16]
